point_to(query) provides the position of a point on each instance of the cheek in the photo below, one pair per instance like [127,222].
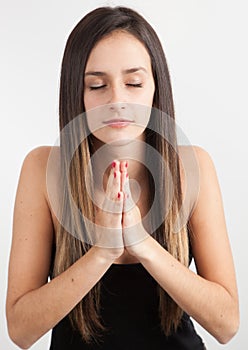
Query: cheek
[152,92]
[88,101]
[93,100]
[148,95]
[149,98]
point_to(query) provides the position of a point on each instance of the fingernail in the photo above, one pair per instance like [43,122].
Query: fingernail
[127,175]
[113,164]
[115,174]
[126,165]
[119,195]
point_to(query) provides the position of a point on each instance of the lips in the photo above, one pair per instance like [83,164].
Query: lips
[118,123]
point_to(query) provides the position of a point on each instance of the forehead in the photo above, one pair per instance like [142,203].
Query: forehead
[118,49]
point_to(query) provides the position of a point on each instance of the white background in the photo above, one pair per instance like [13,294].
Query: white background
[205,42]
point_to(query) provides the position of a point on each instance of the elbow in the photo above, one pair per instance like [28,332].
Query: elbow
[228,330]
[21,343]
[16,336]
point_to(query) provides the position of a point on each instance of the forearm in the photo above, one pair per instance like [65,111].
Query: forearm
[209,303]
[39,310]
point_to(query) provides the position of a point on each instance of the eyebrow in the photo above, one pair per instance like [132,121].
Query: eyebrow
[125,71]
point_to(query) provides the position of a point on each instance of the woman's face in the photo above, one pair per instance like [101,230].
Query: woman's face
[119,88]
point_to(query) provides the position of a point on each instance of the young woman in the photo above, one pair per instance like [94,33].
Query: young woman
[102,213]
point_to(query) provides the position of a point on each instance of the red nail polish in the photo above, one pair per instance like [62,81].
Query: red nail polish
[126,165]
[115,174]
[127,175]
[119,195]
[113,164]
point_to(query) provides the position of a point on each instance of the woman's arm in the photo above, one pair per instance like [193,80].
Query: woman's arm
[210,296]
[33,305]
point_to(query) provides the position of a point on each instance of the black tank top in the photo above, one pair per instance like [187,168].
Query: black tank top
[129,308]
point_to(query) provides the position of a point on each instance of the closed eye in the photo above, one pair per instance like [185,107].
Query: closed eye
[135,85]
[97,87]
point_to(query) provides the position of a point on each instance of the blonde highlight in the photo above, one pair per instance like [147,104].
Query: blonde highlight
[75,189]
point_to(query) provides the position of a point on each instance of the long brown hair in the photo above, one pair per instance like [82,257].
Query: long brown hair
[92,28]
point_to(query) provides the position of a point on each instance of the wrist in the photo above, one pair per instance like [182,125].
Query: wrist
[143,250]
[105,255]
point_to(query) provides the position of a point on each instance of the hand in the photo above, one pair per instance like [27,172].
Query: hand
[134,233]
[108,220]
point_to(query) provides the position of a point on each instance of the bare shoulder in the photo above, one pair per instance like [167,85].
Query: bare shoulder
[208,207]
[196,165]
[35,165]
[193,151]
[31,191]
[38,157]
[207,171]
[203,156]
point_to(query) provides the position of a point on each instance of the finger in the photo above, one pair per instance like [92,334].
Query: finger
[108,226]
[123,169]
[124,179]
[124,176]
[123,165]
[128,203]
[113,204]
[114,181]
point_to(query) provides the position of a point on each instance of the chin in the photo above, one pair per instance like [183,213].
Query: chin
[120,142]
[118,138]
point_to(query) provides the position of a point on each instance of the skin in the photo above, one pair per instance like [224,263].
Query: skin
[111,90]
[33,306]
[121,83]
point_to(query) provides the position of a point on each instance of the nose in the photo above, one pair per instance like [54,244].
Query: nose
[117,107]
[117,100]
